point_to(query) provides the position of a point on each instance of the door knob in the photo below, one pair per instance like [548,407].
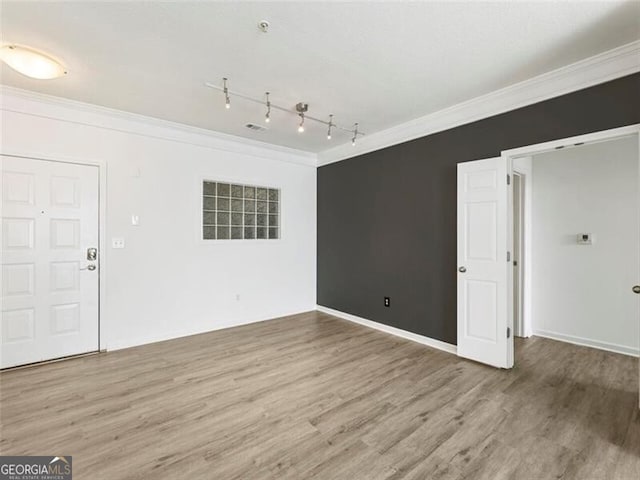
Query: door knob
[462,269]
[636,289]
[90,267]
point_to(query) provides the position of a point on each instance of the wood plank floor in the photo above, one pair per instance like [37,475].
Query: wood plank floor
[314,397]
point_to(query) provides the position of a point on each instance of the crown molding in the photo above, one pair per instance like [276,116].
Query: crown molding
[600,68]
[47,106]
[606,66]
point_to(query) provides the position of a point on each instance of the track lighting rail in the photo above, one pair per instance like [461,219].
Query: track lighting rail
[272,106]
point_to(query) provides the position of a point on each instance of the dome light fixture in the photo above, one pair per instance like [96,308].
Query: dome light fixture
[31,63]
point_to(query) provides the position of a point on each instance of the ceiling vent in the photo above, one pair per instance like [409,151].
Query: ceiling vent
[255,128]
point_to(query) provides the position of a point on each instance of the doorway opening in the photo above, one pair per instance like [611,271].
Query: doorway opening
[487,304]
[576,240]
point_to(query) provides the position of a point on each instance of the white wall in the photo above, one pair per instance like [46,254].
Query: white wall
[583,293]
[166,282]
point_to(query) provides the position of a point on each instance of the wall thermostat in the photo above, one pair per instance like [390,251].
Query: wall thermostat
[585,238]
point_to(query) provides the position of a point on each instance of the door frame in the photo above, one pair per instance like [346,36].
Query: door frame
[535,149]
[519,179]
[102,247]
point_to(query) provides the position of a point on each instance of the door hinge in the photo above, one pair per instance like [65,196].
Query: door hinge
[508,179]
[508,256]
[508,332]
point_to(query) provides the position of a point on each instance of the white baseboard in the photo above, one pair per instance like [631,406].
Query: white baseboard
[164,336]
[429,342]
[587,342]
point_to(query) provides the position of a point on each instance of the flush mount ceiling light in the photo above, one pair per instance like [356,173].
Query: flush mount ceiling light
[32,63]
[300,110]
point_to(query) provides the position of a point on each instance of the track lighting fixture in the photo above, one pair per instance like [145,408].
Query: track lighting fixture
[330,125]
[227,101]
[300,110]
[267,117]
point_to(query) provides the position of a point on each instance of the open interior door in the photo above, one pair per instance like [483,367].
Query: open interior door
[484,263]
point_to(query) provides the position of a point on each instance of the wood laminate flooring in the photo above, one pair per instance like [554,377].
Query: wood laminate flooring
[311,396]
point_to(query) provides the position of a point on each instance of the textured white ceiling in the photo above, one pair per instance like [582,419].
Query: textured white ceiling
[379,64]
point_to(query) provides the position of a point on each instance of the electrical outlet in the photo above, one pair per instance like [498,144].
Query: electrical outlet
[387,301]
[117,242]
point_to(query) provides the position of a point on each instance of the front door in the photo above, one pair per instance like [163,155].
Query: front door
[50,265]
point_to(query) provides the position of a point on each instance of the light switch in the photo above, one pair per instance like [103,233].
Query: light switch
[135,220]
[117,242]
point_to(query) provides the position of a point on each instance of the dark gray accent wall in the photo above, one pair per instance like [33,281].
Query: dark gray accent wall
[387,219]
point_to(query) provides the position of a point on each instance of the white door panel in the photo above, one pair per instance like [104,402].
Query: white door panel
[480,320]
[49,299]
[482,260]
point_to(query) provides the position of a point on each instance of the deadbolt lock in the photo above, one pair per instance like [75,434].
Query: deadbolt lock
[92,254]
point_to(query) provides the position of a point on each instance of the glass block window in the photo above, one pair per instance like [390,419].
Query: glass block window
[239,212]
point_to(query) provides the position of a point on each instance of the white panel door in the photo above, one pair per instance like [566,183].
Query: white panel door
[49,287]
[483,269]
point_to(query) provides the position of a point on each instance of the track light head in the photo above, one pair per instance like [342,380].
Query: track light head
[267,117]
[330,125]
[227,100]
[301,108]
[355,135]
